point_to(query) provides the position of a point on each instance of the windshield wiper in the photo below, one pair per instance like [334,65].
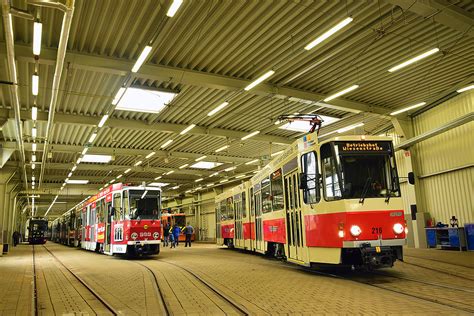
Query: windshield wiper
[364,191]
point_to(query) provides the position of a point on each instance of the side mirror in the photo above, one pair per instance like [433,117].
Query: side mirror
[411,178]
[303,181]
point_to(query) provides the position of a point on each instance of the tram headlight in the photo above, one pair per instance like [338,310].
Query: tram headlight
[341,234]
[355,230]
[398,228]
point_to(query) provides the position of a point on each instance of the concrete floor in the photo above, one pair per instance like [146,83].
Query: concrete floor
[203,279]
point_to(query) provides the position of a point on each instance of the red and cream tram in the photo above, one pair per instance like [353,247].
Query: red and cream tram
[337,202]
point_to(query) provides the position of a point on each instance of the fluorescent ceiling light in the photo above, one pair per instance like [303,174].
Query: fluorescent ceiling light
[414,59]
[69,175]
[127,171]
[157,178]
[201,158]
[35,84]
[342,92]
[66,180]
[33,147]
[223,181]
[112,181]
[150,155]
[34,113]
[250,135]
[199,180]
[210,185]
[188,191]
[119,176]
[33,158]
[348,128]
[230,168]
[78,161]
[222,148]
[329,33]
[169,172]
[84,151]
[139,162]
[34,132]
[187,129]
[408,108]
[37,32]
[144,193]
[305,126]
[277,153]
[167,143]
[252,161]
[144,100]
[175,187]
[33,178]
[158,184]
[184,166]
[174,7]
[218,108]
[72,181]
[33,166]
[259,80]
[141,58]
[198,188]
[465,88]
[206,165]
[214,174]
[97,158]
[240,176]
[118,96]
[92,138]
[74,168]
[102,121]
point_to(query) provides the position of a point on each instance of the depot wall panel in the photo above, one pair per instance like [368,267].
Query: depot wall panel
[445,162]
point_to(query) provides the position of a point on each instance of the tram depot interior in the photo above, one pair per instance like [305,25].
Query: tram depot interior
[321,150]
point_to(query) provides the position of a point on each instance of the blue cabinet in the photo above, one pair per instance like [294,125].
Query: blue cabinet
[445,237]
[469,236]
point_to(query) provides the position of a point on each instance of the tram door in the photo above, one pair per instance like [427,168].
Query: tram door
[251,219]
[108,220]
[259,244]
[294,223]
[238,220]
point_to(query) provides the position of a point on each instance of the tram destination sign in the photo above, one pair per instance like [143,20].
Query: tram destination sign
[367,147]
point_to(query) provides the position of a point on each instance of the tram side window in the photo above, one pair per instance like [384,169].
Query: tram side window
[309,164]
[266,196]
[332,190]
[126,205]
[258,205]
[277,191]
[118,207]
[229,208]
[244,206]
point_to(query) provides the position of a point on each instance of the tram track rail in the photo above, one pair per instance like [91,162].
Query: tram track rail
[34,285]
[96,295]
[239,308]
[440,270]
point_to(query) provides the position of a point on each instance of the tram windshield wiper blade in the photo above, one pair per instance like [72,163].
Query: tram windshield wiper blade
[364,191]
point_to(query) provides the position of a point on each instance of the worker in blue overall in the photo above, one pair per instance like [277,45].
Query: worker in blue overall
[176,233]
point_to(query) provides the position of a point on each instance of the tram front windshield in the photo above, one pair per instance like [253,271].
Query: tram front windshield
[355,170]
[144,204]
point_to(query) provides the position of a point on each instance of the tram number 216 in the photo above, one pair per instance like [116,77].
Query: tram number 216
[376,230]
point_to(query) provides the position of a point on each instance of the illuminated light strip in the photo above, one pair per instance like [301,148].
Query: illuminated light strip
[150,155]
[118,96]
[174,8]
[251,162]
[414,106]
[84,151]
[348,128]
[34,113]
[259,80]
[102,121]
[37,32]
[250,135]
[34,132]
[138,163]
[222,148]
[230,168]
[201,158]
[35,84]
[277,153]
[465,88]
[329,33]
[127,171]
[199,180]
[141,58]
[414,59]
[184,166]
[33,147]
[218,108]
[158,178]
[167,143]
[187,129]
[92,138]
[342,92]
[169,172]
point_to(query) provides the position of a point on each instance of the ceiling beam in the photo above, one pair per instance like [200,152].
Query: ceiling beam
[119,168]
[96,179]
[184,76]
[130,152]
[144,126]
[442,12]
